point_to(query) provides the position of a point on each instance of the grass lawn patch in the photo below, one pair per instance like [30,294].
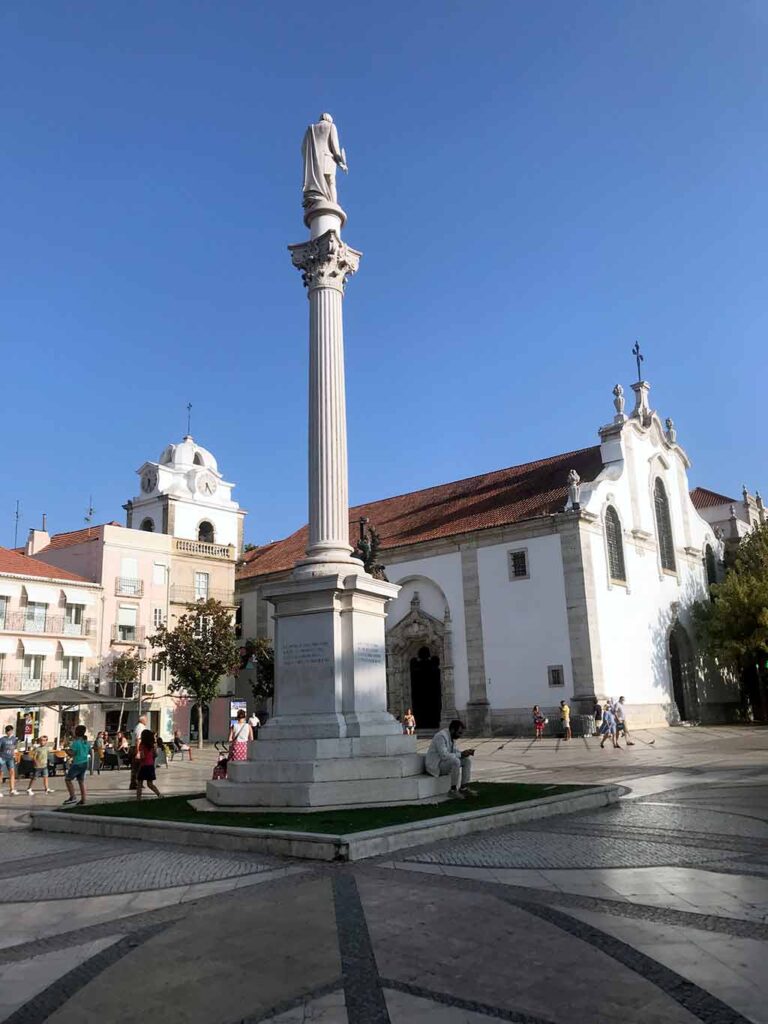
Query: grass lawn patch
[362,819]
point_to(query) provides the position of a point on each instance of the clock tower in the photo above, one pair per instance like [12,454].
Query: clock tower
[184,495]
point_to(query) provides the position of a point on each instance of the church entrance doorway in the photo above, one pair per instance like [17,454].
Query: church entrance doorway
[682,671]
[193,736]
[426,691]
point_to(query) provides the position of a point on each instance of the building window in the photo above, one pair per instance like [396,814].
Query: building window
[205,532]
[72,669]
[664,527]
[709,562]
[73,619]
[3,607]
[158,617]
[556,675]
[148,525]
[127,619]
[615,544]
[158,574]
[201,586]
[157,672]
[34,617]
[238,621]
[518,564]
[33,667]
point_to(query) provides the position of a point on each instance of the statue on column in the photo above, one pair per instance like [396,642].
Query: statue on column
[574,490]
[322,154]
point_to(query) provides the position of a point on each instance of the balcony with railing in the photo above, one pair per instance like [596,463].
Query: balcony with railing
[128,586]
[199,547]
[191,595]
[127,634]
[22,622]
[26,682]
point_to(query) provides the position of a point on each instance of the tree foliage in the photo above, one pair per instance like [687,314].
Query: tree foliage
[125,671]
[259,655]
[733,626]
[198,650]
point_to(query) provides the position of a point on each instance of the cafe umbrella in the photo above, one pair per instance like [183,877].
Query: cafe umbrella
[60,698]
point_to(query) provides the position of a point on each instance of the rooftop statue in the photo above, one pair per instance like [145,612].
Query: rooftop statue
[322,154]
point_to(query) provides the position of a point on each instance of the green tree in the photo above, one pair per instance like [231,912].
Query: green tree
[125,671]
[259,655]
[733,625]
[198,651]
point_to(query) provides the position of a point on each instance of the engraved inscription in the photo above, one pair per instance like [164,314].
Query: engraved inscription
[312,653]
[371,653]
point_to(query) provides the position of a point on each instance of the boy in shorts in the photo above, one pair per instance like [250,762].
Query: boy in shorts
[8,744]
[79,751]
[40,757]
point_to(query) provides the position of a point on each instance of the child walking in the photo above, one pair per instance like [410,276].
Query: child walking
[40,757]
[145,757]
[79,752]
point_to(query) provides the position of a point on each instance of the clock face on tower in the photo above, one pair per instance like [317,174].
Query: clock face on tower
[149,481]
[207,484]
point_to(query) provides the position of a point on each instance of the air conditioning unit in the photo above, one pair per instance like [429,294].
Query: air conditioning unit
[148,688]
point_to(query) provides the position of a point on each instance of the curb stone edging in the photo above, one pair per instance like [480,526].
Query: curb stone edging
[319,846]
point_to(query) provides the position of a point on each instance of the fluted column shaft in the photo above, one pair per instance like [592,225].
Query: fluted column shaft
[325,263]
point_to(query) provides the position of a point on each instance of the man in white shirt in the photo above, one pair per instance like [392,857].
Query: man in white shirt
[621,721]
[444,758]
[138,729]
[254,721]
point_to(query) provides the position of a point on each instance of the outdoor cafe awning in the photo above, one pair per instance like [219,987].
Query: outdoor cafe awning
[57,697]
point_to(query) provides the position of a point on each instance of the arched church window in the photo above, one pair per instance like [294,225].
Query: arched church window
[664,527]
[205,532]
[615,545]
[198,459]
[709,562]
[147,525]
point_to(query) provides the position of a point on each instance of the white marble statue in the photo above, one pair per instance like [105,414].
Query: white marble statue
[618,400]
[322,154]
[574,488]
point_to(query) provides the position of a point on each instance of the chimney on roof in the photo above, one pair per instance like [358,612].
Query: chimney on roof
[37,540]
[45,519]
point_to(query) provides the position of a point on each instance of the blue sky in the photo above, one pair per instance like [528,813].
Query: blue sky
[534,185]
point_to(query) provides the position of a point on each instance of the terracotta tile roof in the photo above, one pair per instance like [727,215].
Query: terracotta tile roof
[65,540]
[22,565]
[702,498]
[477,503]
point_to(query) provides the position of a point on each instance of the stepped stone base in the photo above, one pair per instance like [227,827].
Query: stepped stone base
[344,792]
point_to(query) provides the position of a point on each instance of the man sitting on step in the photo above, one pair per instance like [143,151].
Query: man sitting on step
[444,759]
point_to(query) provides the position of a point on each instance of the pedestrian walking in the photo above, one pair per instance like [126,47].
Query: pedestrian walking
[608,727]
[138,729]
[565,719]
[8,744]
[40,771]
[255,722]
[240,735]
[539,721]
[409,723]
[145,763]
[620,713]
[79,751]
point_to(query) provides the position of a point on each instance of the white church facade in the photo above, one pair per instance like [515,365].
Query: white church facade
[570,578]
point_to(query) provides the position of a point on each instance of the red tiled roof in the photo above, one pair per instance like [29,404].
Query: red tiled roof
[22,565]
[477,503]
[66,540]
[702,498]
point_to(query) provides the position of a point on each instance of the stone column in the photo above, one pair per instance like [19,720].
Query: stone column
[325,263]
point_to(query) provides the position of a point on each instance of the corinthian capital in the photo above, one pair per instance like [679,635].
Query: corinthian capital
[325,262]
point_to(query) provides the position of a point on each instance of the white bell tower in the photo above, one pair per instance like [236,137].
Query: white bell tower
[184,494]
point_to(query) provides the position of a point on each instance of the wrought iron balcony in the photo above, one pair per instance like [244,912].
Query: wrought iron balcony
[199,547]
[25,682]
[20,622]
[127,586]
[127,634]
[191,595]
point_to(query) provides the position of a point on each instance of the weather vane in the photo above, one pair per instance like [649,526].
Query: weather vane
[639,358]
[189,418]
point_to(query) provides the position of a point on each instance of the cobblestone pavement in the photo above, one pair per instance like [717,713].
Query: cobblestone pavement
[654,910]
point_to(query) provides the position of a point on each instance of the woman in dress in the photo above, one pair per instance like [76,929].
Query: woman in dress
[240,735]
[145,756]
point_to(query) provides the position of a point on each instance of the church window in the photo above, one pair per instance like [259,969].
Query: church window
[518,564]
[664,527]
[556,675]
[147,525]
[198,459]
[613,539]
[205,532]
[709,562]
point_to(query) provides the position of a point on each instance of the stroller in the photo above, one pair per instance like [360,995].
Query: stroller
[220,768]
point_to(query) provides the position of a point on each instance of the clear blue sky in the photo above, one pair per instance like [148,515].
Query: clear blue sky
[534,184]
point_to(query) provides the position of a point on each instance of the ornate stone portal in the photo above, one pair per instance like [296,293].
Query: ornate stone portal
[331,741]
